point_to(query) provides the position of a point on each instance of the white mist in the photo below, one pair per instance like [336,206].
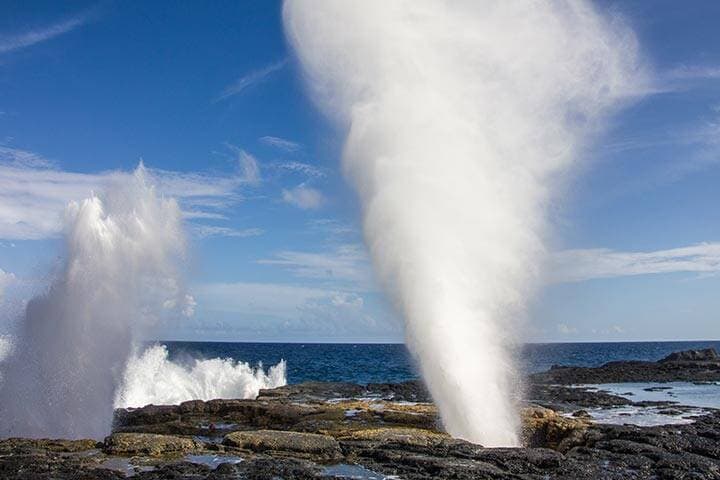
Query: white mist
[74,340]
[75,355]
[460,115]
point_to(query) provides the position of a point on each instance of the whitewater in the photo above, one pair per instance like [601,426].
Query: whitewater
[76,352]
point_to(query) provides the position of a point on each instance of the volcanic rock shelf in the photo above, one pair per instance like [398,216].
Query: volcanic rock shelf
[336,430]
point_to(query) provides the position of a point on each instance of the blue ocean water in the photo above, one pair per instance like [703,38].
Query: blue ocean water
[367,363]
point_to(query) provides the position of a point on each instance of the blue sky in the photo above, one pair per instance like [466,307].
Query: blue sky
[211,100]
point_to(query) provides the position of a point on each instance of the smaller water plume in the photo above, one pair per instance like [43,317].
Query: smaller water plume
[152,377]
[72,344]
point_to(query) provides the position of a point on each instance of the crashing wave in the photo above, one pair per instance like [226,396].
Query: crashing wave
[151,377]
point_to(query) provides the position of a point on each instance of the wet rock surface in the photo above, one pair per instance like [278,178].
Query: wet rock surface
[148,444]
[338,430]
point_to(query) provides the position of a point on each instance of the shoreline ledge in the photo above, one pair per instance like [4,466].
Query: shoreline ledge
[320,430]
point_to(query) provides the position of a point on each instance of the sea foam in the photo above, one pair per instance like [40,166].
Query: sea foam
[152,378]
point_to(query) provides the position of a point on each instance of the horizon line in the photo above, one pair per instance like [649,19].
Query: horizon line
[403,343]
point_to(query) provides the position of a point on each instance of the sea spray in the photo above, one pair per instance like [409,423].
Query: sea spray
[151,377]
[460,117]
[74,340]
[121,274]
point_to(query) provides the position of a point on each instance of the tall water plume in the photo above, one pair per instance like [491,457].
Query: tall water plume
[460,118]
[70,352]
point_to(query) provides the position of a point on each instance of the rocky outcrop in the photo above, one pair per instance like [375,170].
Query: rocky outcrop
[543,427]
[148,444]
[688,366]
[566,398]
[55,445]
[277,441]
[704,355]
[337,430]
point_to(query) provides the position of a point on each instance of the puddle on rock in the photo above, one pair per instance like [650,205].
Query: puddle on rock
[682,393]
[208,439]
[644,416]
[212,461]
[355,472]
[124,466]
[217,426]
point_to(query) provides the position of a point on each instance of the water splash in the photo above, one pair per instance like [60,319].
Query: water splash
[70,351]
[460,117]
[152,377]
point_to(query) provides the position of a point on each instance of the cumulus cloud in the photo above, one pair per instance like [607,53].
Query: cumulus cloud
[566,329]
[280,143]
[248,80]
[611,330]
[303,197]
[34,192]
[11,43]
[587,264]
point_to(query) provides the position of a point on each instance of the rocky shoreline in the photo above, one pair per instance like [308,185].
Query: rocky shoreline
[339,430]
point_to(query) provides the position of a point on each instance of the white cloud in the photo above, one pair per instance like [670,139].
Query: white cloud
[303,197]
[34,193]
[188,307]
[308,170]
[204,231]
[6,279]
[612,330]
[351,300]
[271,311]
[693,72]
[280,143]
[250,79]
[348,263]
[10,43]
[248,165]
[260,298]
[22,158]
[586,264]
[566,329]
[332,227]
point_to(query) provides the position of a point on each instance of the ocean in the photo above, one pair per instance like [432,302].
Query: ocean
[368,363]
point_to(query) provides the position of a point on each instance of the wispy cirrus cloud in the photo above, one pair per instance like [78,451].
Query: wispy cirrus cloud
[305,169]
[34,192]
[205,231]
[587,264]
[670,155]
[693,72]
[280,143]
[12,42]
[345,263]
[332,227]
[276,311]
[248,80]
